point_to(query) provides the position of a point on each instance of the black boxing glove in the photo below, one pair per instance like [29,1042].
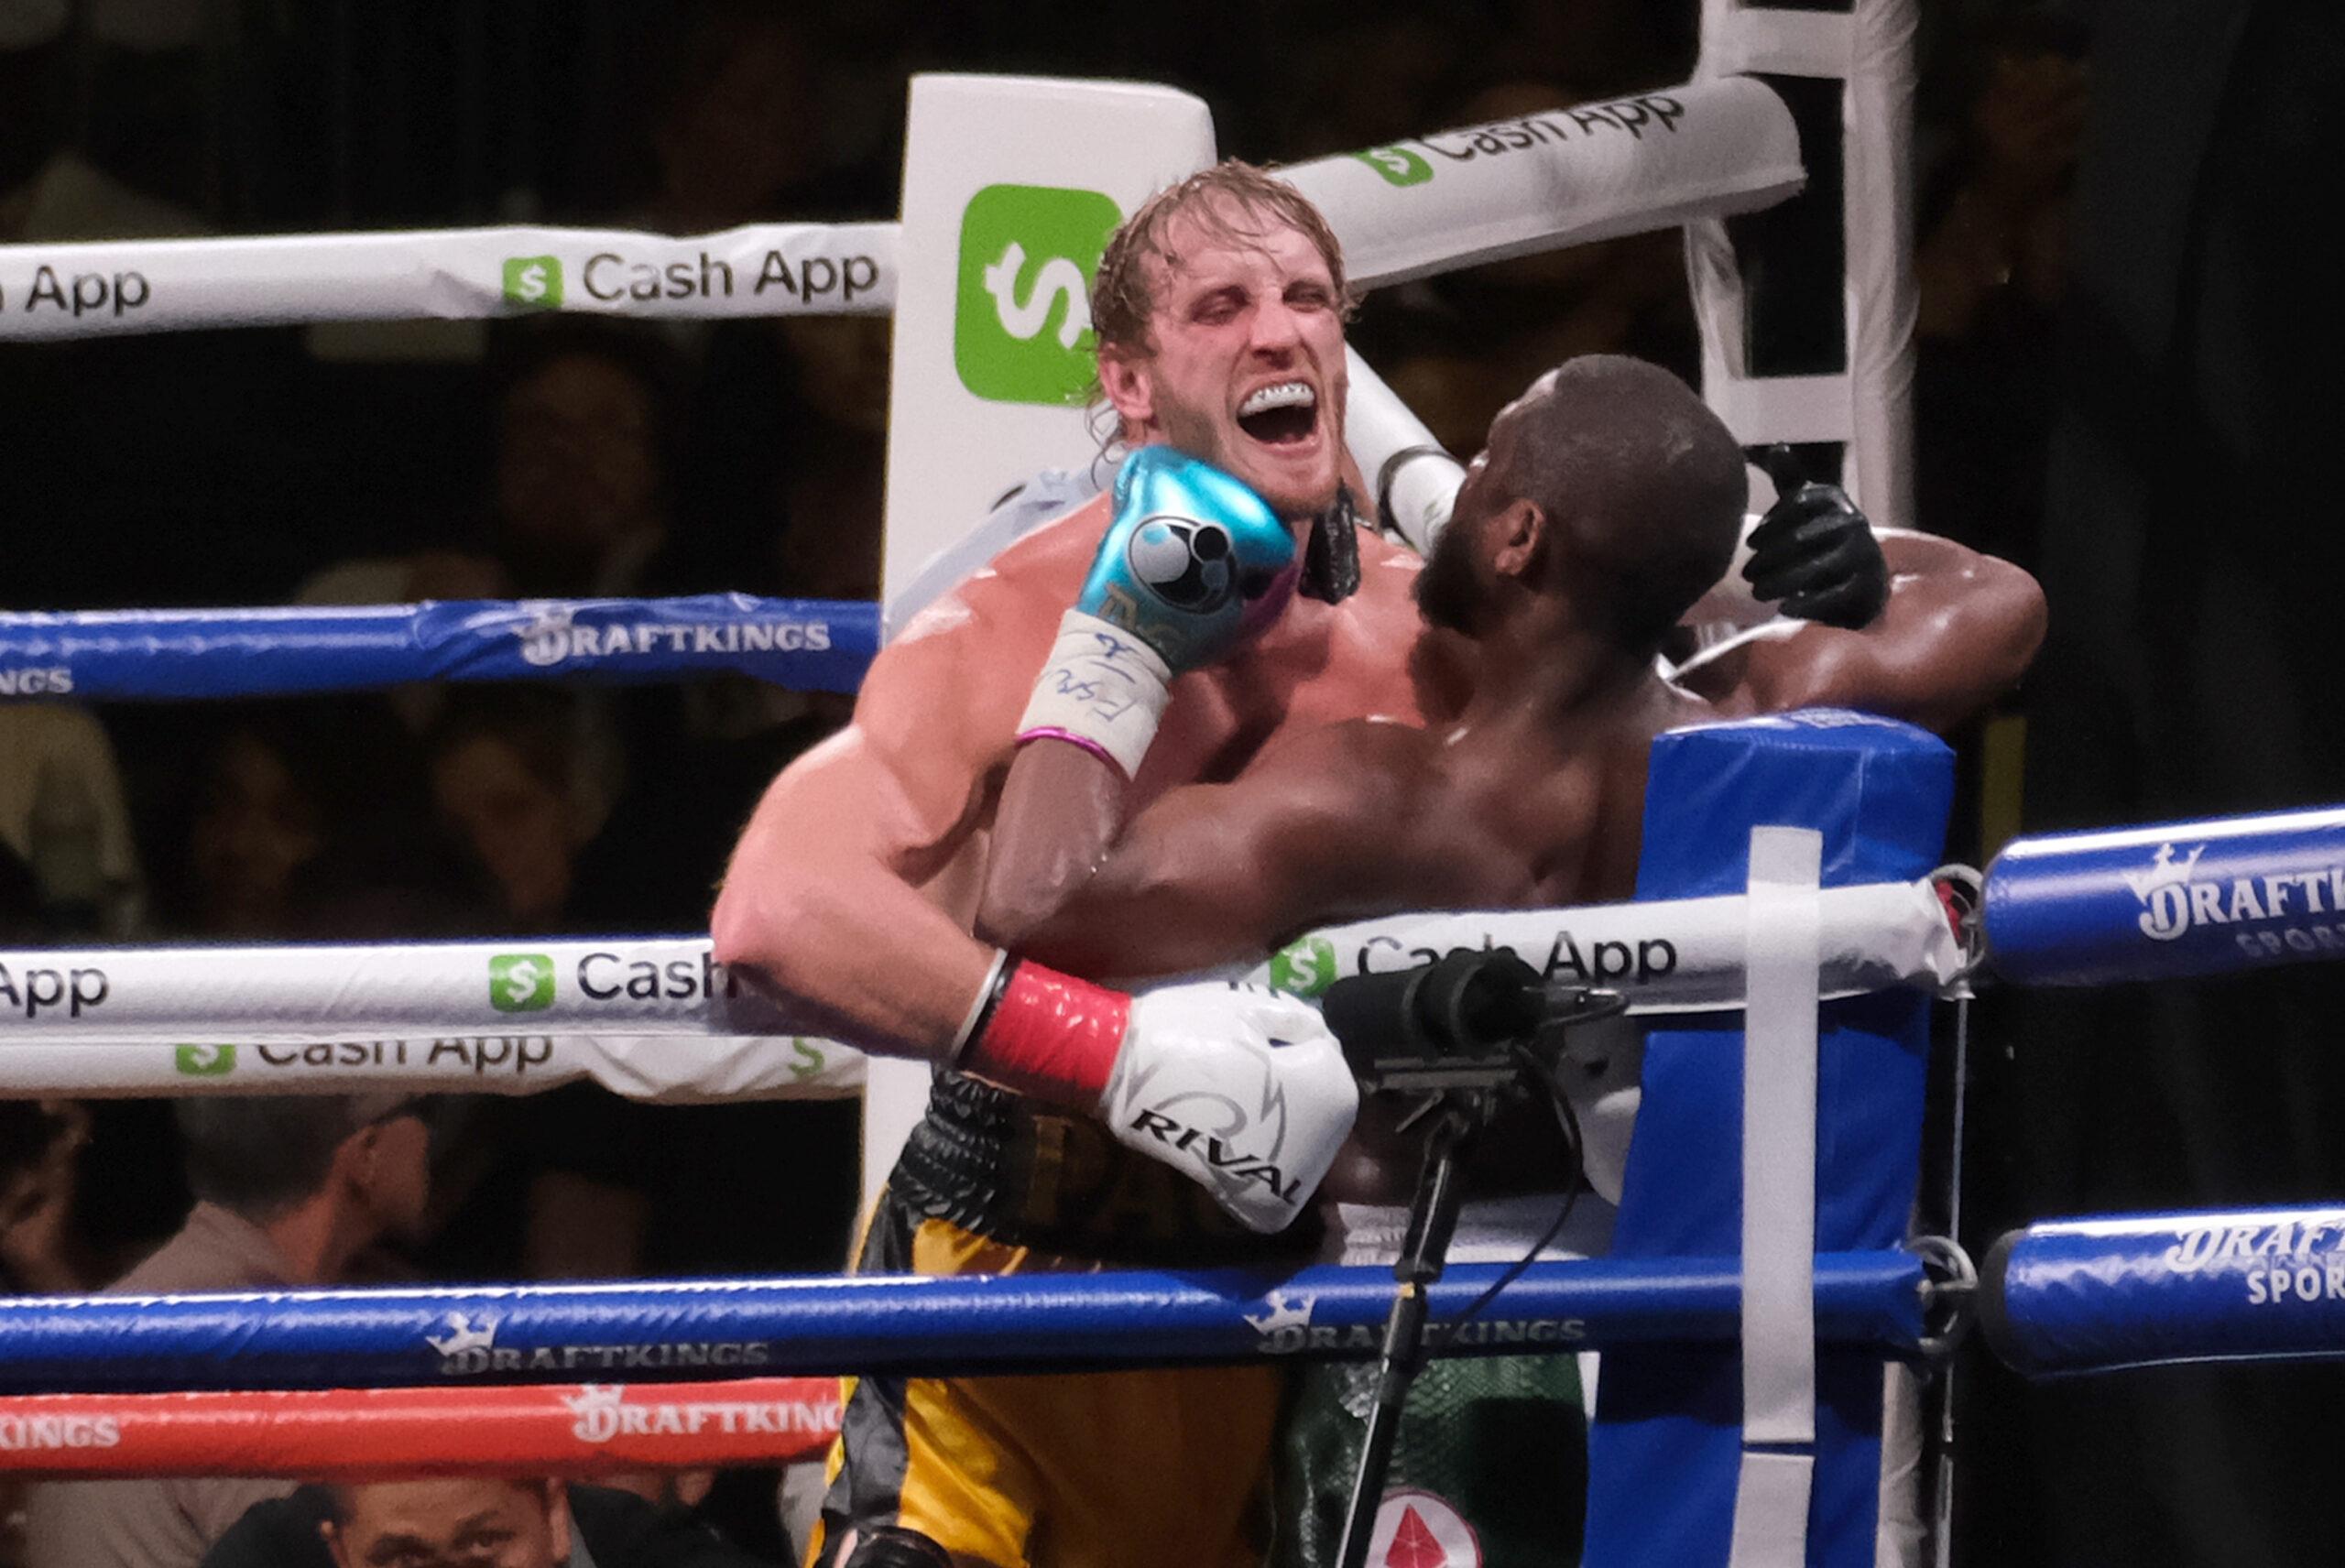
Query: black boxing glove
[1813,554]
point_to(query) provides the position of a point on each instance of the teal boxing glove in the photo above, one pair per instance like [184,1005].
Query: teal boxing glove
[1193,566]
[1195,562]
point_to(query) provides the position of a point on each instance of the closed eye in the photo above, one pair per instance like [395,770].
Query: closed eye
[1218,306]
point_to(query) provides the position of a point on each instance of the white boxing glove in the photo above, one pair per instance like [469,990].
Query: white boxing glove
[1239,1088]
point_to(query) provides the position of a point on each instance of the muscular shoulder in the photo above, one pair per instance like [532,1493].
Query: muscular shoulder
[1039,574]
[964,664]
[1365,770]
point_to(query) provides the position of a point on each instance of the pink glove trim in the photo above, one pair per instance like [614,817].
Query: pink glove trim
[1052,732]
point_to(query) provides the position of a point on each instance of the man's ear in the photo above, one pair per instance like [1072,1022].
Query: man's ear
[558,1519]
[354,1157]
[333,1538]
[1521,535]
[1124,377]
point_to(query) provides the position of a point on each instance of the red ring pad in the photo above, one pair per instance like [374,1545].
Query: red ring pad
[352,1434]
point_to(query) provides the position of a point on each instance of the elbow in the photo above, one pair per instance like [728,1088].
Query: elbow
[1042,931]
[2022,616]
[754,934]
[2036,621]
[1016,917]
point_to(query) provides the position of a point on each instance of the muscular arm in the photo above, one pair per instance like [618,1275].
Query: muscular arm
[827,905]
[1063,806]
[1958,631]
[1214,874]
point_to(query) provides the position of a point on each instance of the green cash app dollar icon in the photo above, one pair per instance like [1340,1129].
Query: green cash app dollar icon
[1304,967]
[204,1061]
[534,282]
[1399,165]
[1021,314]
[520,982]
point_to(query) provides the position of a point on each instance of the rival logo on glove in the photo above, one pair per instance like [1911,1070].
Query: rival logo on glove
[1218,1157]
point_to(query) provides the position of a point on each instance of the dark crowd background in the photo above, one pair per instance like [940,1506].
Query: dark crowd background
[2126,336]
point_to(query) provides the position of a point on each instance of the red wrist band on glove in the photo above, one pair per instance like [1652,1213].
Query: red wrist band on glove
[1051,1036]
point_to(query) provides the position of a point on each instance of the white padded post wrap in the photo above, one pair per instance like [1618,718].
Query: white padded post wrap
[1779,1066]
[1399,455]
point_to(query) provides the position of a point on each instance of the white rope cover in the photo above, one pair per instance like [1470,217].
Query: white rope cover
[662,1069]
[146,286]
[1433,204]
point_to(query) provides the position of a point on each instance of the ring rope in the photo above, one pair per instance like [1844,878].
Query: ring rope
[143,286]
[1663,955]
[385,1434]
[1424,205]
[921,1326]
[661,1069]
[806,644]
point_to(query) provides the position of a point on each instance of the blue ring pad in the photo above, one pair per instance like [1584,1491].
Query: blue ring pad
[2066,1297]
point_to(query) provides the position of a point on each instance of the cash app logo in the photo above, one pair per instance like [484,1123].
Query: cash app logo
[204,1061]
[1304,967]
[1021,317]
[534,282]
[520,982]
[1397,166]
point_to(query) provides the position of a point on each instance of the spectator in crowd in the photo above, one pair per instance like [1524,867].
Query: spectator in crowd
[297,818]
[586,427]
[512,776]
[291,1191]
[63,816]
[479,1521]
[40,1145]
[1991,268]
[732,119]
[95,135]
[587,415]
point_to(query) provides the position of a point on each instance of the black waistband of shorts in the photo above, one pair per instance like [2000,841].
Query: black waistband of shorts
[1011,1169]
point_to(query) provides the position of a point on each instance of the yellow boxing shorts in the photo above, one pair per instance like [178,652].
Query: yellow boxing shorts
[1153,1469]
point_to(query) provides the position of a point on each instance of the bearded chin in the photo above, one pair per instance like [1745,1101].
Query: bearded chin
[1447,595]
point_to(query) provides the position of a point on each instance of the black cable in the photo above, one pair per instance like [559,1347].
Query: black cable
[1568,1121]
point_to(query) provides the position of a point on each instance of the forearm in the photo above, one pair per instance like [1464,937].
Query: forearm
[822,911]
[1060,891]
[1061,808]
[853,952]
[1129,921]
[1220,873]
[1959,629]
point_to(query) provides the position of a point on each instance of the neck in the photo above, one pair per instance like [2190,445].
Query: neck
[1544,667]
[318,1237]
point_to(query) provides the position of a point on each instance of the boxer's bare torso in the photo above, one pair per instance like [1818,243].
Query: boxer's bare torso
[1362,819]
[1533,796]
[851,893]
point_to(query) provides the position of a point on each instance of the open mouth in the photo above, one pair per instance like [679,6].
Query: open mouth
[1284,414]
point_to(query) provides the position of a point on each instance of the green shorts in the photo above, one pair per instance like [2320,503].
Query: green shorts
[1489,1470]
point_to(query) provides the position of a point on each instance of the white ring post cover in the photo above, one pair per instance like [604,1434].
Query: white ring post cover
[1011,185]
[1779,1067]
